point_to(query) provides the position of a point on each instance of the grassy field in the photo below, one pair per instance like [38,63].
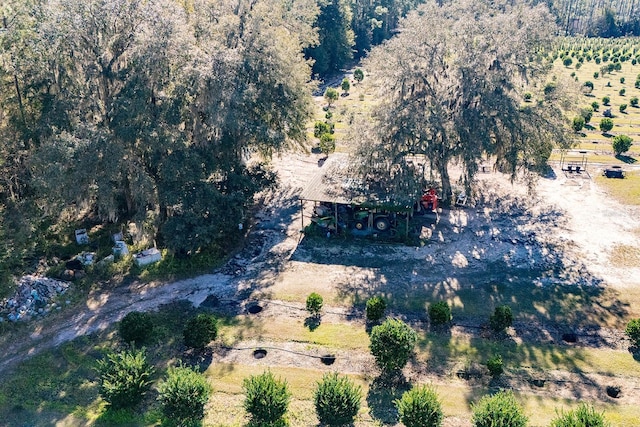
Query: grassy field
[591,139]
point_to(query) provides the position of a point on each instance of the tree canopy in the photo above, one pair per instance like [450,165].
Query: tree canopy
[453,83]
[149,111]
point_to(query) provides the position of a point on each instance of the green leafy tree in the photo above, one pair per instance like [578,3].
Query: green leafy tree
[440,313]
[430,104]
[330,95]
[392,344]
[499,410]
[335,37]
[622,92]
[595,105]
[633,331]
[183,395]
[621,144]
[358,75]
[623,108]
[578,123]
[327,143]
[314,303]
[125,377]
[495,366]
[606,100]
[567,62]
[337,400]
[606,124]
[587,87]
[320,128]
[584,415]
[587,114]
[266,398]
[420,407]
[135,327]
[200,331]
[634,101]
[375,308]
[501,318]
[345,85]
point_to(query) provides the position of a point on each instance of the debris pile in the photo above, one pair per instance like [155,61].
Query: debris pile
[35,296]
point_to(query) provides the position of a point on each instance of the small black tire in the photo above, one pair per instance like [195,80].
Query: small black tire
[381,224]
[360,225]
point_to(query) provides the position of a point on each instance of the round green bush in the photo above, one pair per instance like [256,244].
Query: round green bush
[595,105]
[528,96]
[420,407]
[375,308]
[500,410]
[633,331]
[584,416]
[567,62]
[136,327]
[622,91]
[392,343]
[621,144]
[634,101]
[266,398]
[337,400]
[501,318]
[495,366]
[125,377]
[439,313]
[623,108]
[606,124]
[578,123]
[314,303]
[327,143]
[606,100]
[200,331]
[183,395]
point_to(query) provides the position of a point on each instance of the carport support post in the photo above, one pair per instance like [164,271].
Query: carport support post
[302,214]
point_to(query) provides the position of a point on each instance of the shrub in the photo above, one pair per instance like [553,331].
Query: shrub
[345,85]
[634,101]
[358,74]
[135,327]
[375,308]
[617,66]
[392,344]
[337,400]
[606,100]
[606,124]
[420,407]
[183,395]
[584,416]
[331,95]
[586,114]
[596,74]
[621,144]
[499,410]
[597,59]
[314,304]
[266,398]
[528,96]
[501,318]
[439,313]
[320,128]
[595,105]
[567,62]
[587,87]
[578,123]
[622,80]
[637,84]
[327,143]
[200,331]
[495,366]
[124,378]
[622,92]
[578,65]
[633,331]
[623,108]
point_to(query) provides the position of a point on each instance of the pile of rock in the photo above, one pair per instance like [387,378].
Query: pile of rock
[35,296]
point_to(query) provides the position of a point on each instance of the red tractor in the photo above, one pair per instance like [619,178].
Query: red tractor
[429,200]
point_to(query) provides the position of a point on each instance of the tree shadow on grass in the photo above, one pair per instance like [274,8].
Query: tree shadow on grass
[312,322]
[383,391]
[626,159]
